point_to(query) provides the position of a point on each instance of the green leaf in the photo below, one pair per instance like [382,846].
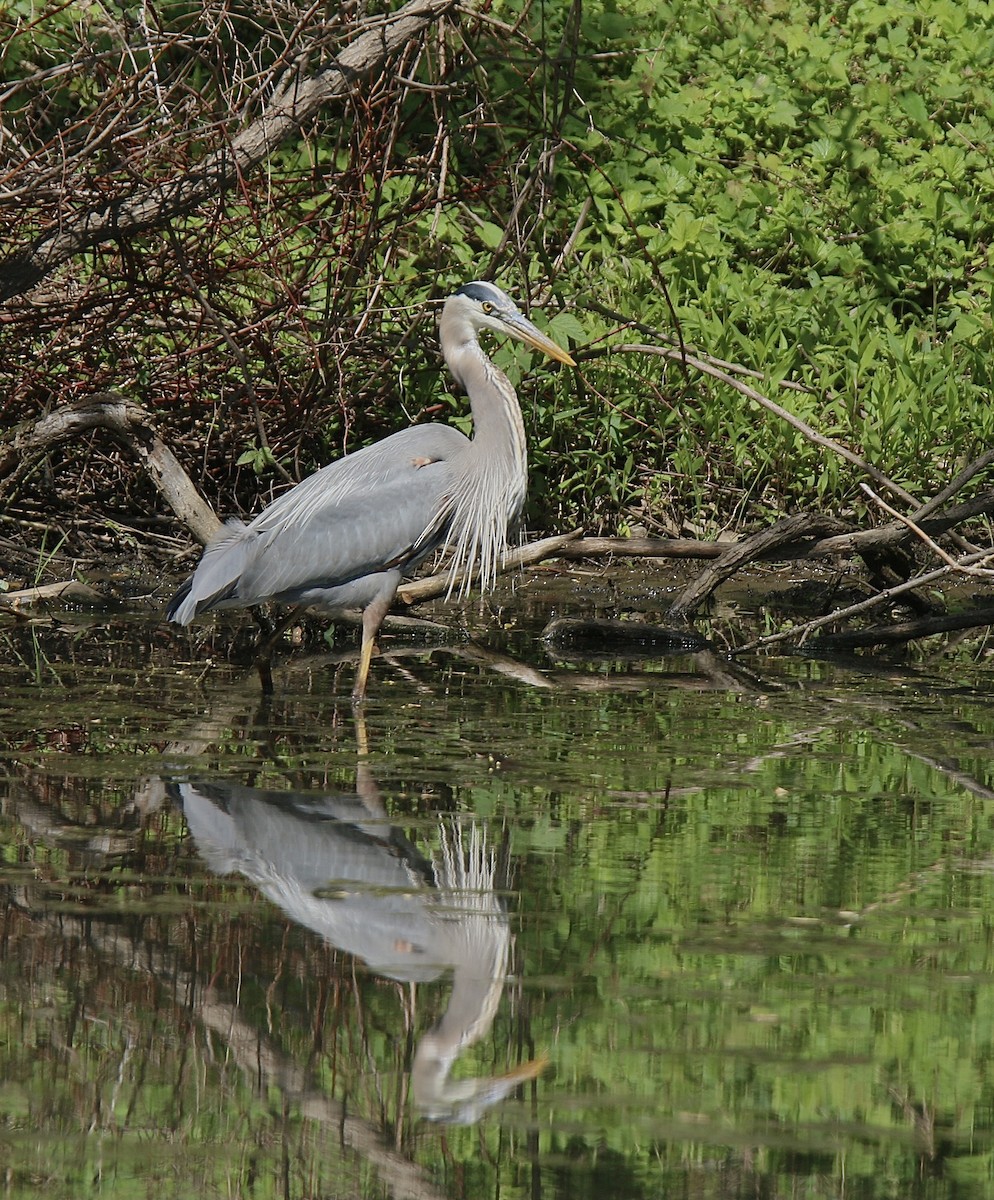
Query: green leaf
[490,234]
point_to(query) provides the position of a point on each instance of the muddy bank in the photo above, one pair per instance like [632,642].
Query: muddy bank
[581,609]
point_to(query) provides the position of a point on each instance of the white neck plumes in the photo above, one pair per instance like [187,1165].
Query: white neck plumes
[491,477]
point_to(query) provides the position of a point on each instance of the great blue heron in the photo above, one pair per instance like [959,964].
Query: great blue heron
[347,535]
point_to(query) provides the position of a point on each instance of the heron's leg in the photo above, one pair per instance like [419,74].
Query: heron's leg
[362,750]
[372,619]
[264,652]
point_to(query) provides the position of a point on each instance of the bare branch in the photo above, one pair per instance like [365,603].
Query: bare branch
[812,435]
[433,586]
[789,530]
[923,536]
[898,632]
[297,99]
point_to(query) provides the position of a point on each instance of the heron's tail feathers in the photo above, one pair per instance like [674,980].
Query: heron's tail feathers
[177,606]
[217,575]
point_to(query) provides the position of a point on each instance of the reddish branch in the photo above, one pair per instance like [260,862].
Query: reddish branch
[297,99]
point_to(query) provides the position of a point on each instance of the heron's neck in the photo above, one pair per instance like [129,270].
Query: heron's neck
[498,429]
[497,424]
[492,474]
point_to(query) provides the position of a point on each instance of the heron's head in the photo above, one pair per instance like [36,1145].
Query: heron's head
[478,306]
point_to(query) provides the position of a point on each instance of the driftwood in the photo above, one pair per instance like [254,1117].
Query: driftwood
[68,590]
[784,533]
[640,547]
[133,428]
[297,99]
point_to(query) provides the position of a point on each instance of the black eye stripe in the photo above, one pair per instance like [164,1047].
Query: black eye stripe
[481,292]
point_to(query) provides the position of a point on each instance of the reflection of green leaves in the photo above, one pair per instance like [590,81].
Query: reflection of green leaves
[738,921]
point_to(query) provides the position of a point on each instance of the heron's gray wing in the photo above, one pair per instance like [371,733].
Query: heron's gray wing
[381,508]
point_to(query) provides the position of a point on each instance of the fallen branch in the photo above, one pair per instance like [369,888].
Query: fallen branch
[920,533]
[833,546]
[433,586]
[132,426]
[67,590]
[641,547]
[897,531]
[907,631]
[789,530]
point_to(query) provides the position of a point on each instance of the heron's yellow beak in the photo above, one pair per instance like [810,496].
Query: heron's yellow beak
[532,336]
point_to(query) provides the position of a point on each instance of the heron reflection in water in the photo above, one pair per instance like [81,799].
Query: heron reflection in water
[335,865]
[347,535]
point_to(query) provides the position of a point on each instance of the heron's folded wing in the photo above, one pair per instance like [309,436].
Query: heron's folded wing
[381,508]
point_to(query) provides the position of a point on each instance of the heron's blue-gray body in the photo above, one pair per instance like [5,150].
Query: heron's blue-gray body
[325,542]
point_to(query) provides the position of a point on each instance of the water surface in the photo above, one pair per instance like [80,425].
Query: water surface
[535,927]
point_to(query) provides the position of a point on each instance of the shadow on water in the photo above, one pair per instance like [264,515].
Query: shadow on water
[742,913]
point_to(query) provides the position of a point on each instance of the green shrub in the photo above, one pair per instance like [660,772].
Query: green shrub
[805,191]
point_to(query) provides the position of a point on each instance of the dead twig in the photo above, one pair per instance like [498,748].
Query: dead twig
[67,590]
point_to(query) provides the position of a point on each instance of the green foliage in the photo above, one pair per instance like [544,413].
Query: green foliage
[809,187]
[802,190]
[259,458]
